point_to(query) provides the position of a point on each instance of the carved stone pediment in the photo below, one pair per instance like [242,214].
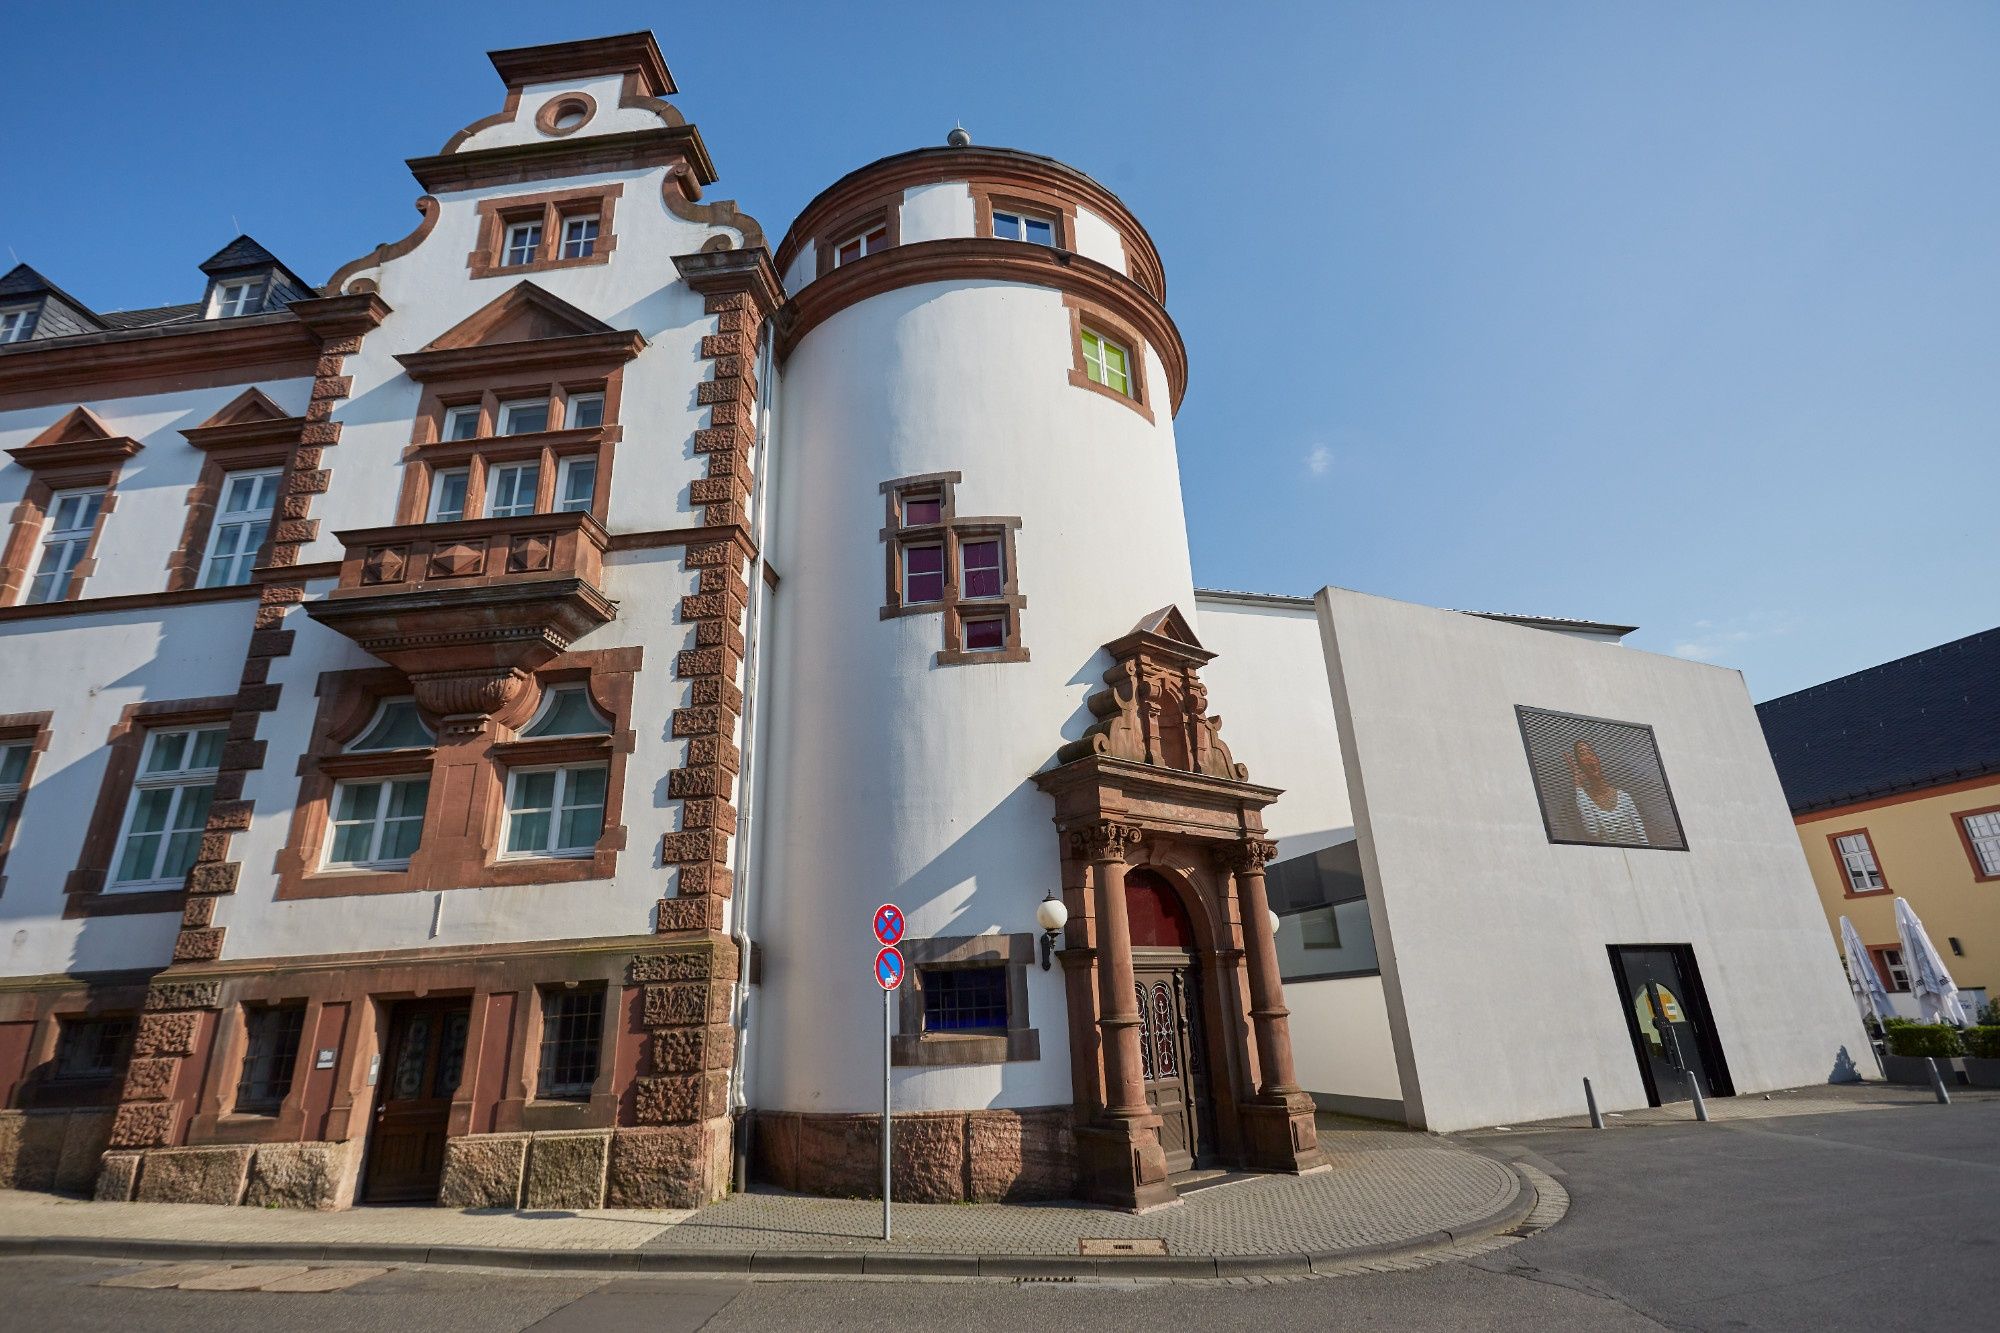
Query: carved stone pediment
[1155,710]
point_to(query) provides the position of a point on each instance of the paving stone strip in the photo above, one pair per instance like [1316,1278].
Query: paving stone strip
[1389,1195]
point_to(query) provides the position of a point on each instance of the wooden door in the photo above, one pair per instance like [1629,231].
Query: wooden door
[422,1061]
[1172,1057]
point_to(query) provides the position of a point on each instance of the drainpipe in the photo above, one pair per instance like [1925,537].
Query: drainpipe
[746,784]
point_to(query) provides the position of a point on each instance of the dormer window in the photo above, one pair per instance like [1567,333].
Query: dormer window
[18,324]
[237,298]
[524,244]
[579,237]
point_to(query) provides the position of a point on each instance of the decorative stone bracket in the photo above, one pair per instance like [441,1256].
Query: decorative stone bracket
[468,610]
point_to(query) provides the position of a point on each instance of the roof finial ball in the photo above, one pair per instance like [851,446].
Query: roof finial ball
[958,138]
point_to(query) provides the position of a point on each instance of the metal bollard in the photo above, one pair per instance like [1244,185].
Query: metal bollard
[1590,1099]
[1700,1106]
[1937,1082]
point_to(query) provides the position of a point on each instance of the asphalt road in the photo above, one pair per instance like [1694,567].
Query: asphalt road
[1867,1220]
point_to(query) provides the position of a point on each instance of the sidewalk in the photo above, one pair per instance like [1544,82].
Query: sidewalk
[1389,1195]
[1821,1099]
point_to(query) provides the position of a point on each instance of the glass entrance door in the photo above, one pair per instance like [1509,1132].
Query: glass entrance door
[1667,1015]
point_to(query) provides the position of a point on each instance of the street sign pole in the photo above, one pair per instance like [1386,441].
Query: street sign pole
[885,1114]
[888,925]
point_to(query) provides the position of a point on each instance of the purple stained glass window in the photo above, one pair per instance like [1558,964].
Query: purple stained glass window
[983,572]
[985,636]
[923,574]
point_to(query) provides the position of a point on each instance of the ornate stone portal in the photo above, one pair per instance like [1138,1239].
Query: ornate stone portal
[1152,784]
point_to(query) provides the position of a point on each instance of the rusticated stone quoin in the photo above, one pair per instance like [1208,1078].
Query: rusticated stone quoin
[143,1125]
[184,995]
[166,1034]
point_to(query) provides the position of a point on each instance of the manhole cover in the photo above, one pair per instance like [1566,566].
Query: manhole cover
[1091,1247]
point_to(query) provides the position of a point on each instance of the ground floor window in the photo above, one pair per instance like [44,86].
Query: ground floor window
[965,999]
[270,1051]
[572,1031]
[92,1047]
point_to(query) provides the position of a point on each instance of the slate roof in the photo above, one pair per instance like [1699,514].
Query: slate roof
[1920,721]
[21,280]
[242,252]
[152,317]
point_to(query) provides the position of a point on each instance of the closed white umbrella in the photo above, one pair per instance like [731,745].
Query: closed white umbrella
[1862,977]
[1930,979]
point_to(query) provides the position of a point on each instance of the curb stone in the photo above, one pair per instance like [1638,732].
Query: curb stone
[1506,1222]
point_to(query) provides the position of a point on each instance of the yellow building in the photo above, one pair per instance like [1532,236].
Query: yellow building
[1893,775]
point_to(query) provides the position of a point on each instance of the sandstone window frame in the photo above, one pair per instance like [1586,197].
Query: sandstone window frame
[548,1049]
[85,888]
[76,453]
[181,780]
[1043,205]
[911,1045]
[261,1089]
[1100,321]
[552,211]
[1977,841]
[949,533]
[475,859]
[30,731]
[883,214]
[263,439]
[432,454]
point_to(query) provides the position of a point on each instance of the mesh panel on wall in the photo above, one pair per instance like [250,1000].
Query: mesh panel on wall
[1599,782]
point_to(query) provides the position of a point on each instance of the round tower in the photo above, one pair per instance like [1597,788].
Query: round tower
[974,490]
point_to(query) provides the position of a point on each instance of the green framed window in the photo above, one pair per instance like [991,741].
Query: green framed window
[1107,363]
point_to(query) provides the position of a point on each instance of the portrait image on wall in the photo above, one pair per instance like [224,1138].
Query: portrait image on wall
[1599,781]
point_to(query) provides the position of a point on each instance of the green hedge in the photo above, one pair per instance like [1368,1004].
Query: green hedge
[1922,1039]
[1983,1042]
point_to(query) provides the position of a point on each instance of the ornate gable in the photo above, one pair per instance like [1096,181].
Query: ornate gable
[1156,709]
[250,419]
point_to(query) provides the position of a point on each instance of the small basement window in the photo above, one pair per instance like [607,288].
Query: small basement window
[965,999]
[92,1047]
[572,1032]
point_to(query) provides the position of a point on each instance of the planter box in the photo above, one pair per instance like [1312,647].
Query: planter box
[1981,1072]
[1916,1069]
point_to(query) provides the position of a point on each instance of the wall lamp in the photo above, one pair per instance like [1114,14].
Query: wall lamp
[1051,916]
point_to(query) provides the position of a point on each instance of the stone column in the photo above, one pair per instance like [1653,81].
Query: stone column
[1121,1156]
[1278,1126]
[1267,990]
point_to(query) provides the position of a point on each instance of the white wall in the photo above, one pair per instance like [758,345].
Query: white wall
[1342,1045]
[1269,684]
[85,670]
[1493,939]
[933,212]
[648,586]
[1099,240]
[892,777]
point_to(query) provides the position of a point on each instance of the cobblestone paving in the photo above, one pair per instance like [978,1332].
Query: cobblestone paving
[1385,1187]
[1819,1100]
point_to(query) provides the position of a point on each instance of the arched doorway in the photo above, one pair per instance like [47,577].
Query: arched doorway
[1173,1029]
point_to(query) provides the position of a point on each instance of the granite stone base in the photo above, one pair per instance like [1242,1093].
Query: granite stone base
[936,1156]
[52,1150]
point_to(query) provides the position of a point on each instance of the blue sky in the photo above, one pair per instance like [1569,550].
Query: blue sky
[1684,316]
